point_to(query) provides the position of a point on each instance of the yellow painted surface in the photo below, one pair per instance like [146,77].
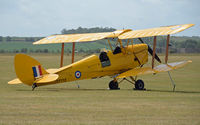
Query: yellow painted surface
[85,37]
[170,66]
[47,78]
[155,31]
[148,70]
[89,67]
[23,68]
[121,34]
[120,65]
[73,38]
[52,70]
[15,81]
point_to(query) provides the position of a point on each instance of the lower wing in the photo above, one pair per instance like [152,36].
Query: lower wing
[157,69]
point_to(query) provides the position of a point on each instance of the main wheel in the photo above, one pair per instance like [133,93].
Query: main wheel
[113,85]
[139,85]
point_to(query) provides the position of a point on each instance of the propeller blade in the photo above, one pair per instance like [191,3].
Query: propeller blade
[141,40]
[151,51]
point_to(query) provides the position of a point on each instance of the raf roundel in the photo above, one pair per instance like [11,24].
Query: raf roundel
[77,74]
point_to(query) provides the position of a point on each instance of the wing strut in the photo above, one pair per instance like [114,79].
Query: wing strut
[121,46]
[172,81]
[73,50]
[110,45]
[167,48]
[62,52]
[154,51]
[166,59]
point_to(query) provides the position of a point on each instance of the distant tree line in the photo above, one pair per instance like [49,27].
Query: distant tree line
[87,30]
[25,50]
[19,39]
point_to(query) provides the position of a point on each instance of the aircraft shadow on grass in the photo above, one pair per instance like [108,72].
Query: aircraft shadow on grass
[154,90]
[84,89]
[64,89]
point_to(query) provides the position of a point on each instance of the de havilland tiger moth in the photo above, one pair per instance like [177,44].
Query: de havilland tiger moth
[123,62]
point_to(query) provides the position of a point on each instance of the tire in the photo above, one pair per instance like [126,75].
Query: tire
[139,85]
[113,85]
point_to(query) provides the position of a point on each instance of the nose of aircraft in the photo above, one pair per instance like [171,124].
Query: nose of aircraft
[140,52]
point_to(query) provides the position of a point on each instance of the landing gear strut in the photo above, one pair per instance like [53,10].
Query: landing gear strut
[113,85]
[34,86]
[139,84]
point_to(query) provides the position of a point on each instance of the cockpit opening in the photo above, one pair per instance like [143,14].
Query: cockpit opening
[104,59]
[117,50]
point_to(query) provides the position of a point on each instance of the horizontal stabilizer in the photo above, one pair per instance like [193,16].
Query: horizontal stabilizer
[157,69]
[52,70]
[15,81]
[47,78]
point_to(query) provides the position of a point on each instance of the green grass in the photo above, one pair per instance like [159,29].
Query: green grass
[93,104]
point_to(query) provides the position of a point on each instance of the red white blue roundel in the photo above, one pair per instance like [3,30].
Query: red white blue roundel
[77,74]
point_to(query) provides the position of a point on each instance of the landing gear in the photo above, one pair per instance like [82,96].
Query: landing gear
[139,85]
[113,85]
[34,86]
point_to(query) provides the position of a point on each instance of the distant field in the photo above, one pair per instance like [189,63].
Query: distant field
[53,48]
[93,104]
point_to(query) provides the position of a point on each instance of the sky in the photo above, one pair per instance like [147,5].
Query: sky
[47,17]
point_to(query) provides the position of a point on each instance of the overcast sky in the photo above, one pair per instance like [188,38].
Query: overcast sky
[46,17]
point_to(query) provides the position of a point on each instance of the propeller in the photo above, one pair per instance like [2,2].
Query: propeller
[151,51]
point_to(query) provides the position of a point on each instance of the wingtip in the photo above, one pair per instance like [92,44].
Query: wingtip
[192,24]
[35,43]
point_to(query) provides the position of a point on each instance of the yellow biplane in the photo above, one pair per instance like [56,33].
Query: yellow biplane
[119,63]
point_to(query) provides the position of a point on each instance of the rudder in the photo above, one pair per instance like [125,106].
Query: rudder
[27,69]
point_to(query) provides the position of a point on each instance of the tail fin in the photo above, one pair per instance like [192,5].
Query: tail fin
[28,69]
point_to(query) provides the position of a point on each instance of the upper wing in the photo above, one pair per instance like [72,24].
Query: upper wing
[155,31]
[157,69]
[85,37]
[121,34]
[72,38]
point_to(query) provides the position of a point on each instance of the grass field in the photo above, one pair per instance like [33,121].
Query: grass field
[93,104]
